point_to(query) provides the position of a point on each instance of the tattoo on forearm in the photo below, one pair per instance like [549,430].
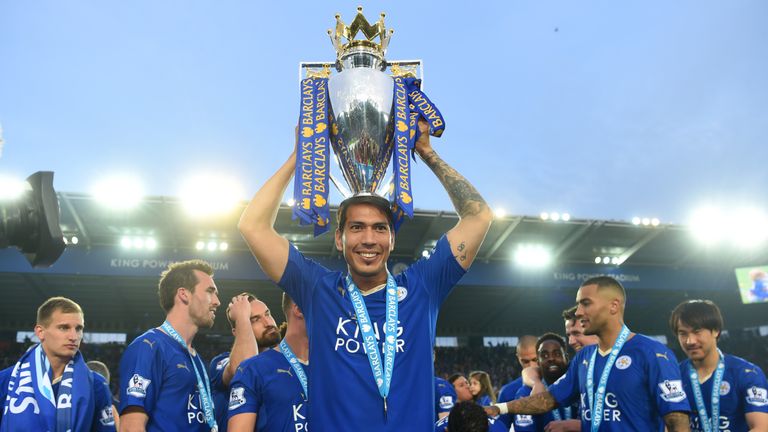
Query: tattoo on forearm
[677,422]
[536,404]
[466,199]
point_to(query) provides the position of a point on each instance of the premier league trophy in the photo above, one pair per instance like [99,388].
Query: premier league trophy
[368,113]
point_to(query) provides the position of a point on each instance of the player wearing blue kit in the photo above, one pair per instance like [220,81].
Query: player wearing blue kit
[163,381]
[269,391]
[552,363]
[50,387]
[525,351]
[468,416]
[255,331]
[351,314]
[445,397]
[741,404]
[633,384]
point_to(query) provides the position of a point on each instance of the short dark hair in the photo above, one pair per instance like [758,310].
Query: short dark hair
[251,299]
[467,416]
[455,376]
[570,314]
[53,304]
[607,282]
[377,201]
[550,336]
[698,314]
[179,275]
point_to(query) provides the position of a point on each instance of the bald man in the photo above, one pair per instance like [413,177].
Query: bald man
[525,351]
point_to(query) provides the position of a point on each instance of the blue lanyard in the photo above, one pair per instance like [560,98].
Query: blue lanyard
[708,424]
[556,412]
[296,365]
[597,398]
[383,378]
[203,387]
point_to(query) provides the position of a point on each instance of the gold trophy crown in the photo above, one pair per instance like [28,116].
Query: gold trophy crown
[360,24]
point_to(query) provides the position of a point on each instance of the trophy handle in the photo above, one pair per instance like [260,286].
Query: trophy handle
[340,186]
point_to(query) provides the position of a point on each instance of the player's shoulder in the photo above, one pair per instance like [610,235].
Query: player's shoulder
[220,361]
[262,360]
[652,348]
[742,366]
[439,382]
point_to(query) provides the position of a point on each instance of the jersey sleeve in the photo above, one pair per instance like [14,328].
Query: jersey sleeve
[5,376]
[245,394]
[440,272]
[445,398]
[300,276]
[664,380]
[216,372]
[524,422]
[141,369]
[566,389]
[753,389]
[104,420]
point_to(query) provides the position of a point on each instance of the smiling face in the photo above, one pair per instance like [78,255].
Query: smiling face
[552,360]
[366,241]
[596,308]
[62,335]
[698,343]
[203,300]
[574,330]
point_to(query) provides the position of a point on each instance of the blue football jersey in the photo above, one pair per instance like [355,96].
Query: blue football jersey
[644,385]
[742,391]
[344,397]
[156,374]
[219,391]
[267,385]
[508,393]
[530,423]
[445,396]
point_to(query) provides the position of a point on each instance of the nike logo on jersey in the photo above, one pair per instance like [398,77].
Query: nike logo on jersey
[284,371]
[148,342]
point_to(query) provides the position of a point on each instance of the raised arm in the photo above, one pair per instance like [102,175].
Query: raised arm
[245,345]
[474,214]
[257,223]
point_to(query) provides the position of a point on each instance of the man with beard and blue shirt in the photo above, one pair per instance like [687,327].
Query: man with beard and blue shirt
[552,362]
[255,331]
[163,381]
[741,404]
[351,314]
[269,391]
[51,388]
[630,381]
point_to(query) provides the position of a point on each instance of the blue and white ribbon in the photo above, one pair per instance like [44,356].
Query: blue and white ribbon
[597,398]
[708,424]
[203,386]
[296,365]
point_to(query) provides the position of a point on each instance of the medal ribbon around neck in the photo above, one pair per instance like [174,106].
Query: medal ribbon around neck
[597,398]
[296,365]
[203,387]
[382,376]
[556,412]
[708,424]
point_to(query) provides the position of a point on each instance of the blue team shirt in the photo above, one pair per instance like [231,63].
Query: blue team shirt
[267,385]
[156,374]
[644,386]
[493,425]
[742,391]
[103,420]
[344,396]
[531,423]
[508,393]
[445,396]
[219,391]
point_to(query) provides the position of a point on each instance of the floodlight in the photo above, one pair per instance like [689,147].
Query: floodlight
[544,216]
[206,196]
[555,216]
[646,221]
[119,192]
[655,222]
[566,217]
[499,213]
[75,240]
[212,246]
[606,260]
[598,260]
[150,243]
[138,243]
[200,245]
[425,253]
[12,188]
[126,242]
[636,220]
[534,256]
[708,225]
[223,246]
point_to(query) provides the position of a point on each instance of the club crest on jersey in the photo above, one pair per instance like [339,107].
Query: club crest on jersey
[725,388]
[137,386]
[672,391]
[757,396]
[623,362]
[222,363]
[402,292]
[236,398]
